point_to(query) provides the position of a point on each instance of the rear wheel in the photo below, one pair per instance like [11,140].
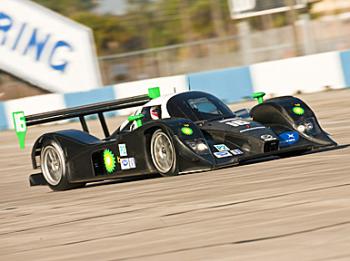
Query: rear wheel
[54,167]
[163,154]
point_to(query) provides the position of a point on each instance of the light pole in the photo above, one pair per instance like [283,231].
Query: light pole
[292,17]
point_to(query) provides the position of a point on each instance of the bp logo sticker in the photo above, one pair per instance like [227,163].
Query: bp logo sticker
[298,110]
[187,131]
[109,160]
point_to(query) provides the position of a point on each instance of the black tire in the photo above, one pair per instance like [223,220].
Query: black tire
[54,167]
[163,154]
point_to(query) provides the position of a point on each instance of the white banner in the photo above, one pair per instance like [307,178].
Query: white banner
[46,49]
[240,9]
[304,74]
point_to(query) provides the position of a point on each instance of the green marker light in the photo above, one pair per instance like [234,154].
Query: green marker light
[109,160]
[298,110]
[259,96]
[154,92]
[19,122]
[187,131]
[138,118]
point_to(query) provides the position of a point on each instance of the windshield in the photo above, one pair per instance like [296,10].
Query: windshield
[198,106]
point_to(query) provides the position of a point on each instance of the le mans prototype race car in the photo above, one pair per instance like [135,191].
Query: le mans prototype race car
[179,133]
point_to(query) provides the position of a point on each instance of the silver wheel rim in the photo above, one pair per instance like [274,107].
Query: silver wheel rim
[52,165]
[162,152]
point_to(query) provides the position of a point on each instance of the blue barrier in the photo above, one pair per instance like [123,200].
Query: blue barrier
[93,96]
[230,84]
[345,62]
[3,117]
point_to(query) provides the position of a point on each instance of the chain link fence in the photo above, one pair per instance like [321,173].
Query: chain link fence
[313,36]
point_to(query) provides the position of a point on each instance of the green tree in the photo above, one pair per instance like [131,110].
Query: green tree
[68,7]
[148,23]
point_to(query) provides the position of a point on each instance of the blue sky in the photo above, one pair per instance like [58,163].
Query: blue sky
[112,6]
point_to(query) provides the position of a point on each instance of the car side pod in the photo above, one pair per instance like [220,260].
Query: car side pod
[138,118]
[288,113]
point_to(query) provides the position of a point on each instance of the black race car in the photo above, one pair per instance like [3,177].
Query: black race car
[174,134]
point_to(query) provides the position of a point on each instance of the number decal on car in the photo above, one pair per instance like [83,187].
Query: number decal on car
[235,123]
[19,122]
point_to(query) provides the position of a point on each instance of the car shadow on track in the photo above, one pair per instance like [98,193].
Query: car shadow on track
[253,161]
[122,180]
[248,162]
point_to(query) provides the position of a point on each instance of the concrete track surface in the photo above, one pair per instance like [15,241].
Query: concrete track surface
[287,209]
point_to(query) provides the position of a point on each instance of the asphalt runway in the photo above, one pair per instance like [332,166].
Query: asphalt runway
[286,209]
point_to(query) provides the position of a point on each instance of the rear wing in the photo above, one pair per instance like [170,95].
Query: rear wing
[21,121]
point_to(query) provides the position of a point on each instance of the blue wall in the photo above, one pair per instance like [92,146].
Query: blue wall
[345,62]
[230,84]
[3,117]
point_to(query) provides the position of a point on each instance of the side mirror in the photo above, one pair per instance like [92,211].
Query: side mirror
[138,118]
[259,96]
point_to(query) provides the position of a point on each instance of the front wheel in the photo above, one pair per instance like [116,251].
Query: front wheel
[54,167]
[163,154]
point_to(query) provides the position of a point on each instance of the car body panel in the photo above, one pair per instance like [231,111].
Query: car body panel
[274,128]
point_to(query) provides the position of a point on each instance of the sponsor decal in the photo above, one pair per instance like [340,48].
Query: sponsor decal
[109,160]
[288,138]
[187,131]
[298,110]
[122,150]
[222,154]
[124,164]
[267,137]
[236,152]
[221,147]
[132,163]
[254,128]
[235,123]
[127,163]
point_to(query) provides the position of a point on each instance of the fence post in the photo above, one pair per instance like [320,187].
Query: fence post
[245,41]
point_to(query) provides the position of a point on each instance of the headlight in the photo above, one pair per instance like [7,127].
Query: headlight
[198,146]
[306,127]
[309,126]
[301,128]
